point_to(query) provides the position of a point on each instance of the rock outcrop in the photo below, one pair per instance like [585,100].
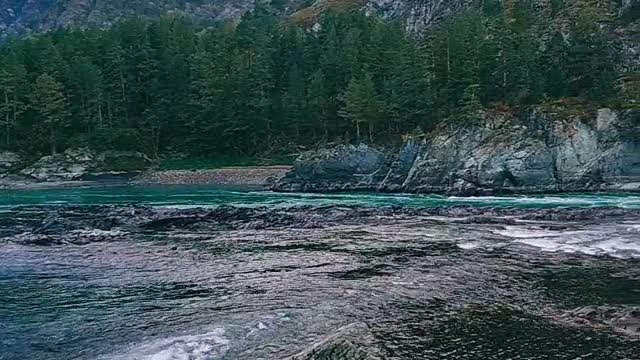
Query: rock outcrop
[620,319]
[28,16]
[341,168]
[418,15]
[82,164]
[70,165]
[8,161]
[541,152]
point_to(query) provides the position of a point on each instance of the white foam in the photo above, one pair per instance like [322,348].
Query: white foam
[210,345]
[616,247]
[525,233]
[469,245]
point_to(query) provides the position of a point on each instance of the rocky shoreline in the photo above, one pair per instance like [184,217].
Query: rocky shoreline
[496,152]
[255,176]
[83,167]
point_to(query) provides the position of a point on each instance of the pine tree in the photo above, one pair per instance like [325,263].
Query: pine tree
[361,105]
[13,86]
[294,100]
[317,102]
[591,67]
[49,100]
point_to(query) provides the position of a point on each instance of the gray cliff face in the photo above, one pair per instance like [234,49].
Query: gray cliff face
[542,152]
[342,168]
[33,16]
[418,14]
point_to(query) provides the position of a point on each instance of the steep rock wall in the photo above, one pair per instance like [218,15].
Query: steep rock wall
[539,152]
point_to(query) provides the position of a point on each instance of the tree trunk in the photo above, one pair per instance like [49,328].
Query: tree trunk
[155,133]
[100,114]
[370,132]
[7,137]
[448,57]
[325,128]
[15,111]
[52,139]
[124,96]
[358,131]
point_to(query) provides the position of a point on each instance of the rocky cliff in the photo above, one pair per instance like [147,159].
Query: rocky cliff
[539,151]
[32,16]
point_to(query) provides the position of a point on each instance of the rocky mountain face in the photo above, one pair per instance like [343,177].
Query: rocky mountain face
[540,151]
[32,16]
[417,14]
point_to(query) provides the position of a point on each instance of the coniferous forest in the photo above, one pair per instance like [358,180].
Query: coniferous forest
[267,85]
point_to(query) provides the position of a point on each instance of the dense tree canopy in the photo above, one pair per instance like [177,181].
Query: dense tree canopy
[264,85]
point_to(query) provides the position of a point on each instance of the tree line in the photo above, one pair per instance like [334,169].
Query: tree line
[265,85]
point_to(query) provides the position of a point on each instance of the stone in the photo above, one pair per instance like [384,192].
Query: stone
[501,153]
[68,166]
[83,164]
[8,162]
[340,168]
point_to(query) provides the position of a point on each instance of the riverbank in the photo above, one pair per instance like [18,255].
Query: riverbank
[229,176]
[252,176]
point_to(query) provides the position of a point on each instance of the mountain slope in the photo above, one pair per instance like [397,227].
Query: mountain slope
[29,16]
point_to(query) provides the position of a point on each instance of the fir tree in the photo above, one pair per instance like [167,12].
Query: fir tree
[49,100]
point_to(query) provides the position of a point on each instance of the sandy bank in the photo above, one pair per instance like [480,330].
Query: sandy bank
[241,176]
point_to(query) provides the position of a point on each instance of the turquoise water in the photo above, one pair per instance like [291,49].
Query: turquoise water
[196,196]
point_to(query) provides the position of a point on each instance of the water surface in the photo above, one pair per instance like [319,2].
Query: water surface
[194,196]
[404,286]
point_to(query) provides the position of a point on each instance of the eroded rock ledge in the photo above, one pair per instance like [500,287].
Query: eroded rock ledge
[539,152]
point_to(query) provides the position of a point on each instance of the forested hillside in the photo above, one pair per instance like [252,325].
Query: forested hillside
[270,85]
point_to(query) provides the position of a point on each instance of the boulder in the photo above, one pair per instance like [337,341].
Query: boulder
[8,162]
[82,164]
[621,319]
[343,167]
[73,164]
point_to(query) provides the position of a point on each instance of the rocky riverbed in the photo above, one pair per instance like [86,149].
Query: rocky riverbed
[332,281]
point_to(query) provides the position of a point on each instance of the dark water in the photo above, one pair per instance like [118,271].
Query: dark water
[423,287]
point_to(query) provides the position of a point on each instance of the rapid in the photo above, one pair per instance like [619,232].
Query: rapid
[200,273]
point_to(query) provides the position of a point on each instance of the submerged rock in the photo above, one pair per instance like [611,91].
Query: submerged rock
[539,153]
[86,224]
[621,319]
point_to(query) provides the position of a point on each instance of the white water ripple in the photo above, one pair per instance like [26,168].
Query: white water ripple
[210,345]
[590,240]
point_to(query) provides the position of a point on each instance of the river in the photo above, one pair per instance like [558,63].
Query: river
[199,273]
